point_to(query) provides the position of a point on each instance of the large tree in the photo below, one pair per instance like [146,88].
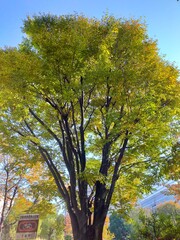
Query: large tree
[92,100]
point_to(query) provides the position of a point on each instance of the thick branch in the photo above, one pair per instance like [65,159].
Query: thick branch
[81,104]
[55,173]
[58,179]
[116,169]
[62,147]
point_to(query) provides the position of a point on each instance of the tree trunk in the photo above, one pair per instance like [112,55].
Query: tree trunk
[95,233]
[85,228]
[92,233]
[87,232]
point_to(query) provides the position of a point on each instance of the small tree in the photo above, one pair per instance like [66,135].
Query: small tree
[9,185]
[20,206]
[119,227]
[52,227]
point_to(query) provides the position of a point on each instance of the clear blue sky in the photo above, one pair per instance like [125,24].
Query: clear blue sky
[162,18]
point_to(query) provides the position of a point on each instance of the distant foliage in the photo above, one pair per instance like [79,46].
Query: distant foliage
[119,227]
[162,223]
[52,227]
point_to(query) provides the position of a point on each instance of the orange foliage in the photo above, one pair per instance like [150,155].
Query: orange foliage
[68,227]
[175,190]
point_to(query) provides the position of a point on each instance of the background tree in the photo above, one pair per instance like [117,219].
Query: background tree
[120,228]
[41,191]
[20,206]
[52,227]
[67,226]
[80,92]
[169,218]
[174,189]
[19,193]
[10,182]
[107,235]
[161,223]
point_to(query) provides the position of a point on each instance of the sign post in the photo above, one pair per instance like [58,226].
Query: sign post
[27,226]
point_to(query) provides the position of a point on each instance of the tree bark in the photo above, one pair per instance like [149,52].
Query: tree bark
[83,231]
[91,233]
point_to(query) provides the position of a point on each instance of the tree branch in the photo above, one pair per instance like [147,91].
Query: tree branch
[116,168]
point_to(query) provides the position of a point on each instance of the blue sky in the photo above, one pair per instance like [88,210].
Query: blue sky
[162,18]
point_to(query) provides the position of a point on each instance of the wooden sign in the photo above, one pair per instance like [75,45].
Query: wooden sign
[27,226]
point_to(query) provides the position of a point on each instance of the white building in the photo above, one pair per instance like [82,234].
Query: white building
[158,196]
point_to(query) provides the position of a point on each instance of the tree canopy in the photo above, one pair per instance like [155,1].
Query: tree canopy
[93,101]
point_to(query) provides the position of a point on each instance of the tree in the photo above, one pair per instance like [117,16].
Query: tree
[9,185]
[161,223]
[92,101]
[107,235]
[40,190]
[119,227]
[169,219]
[20,206]
[67,226]
[145,225]
[174,189]
[52,227]
[19,193]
